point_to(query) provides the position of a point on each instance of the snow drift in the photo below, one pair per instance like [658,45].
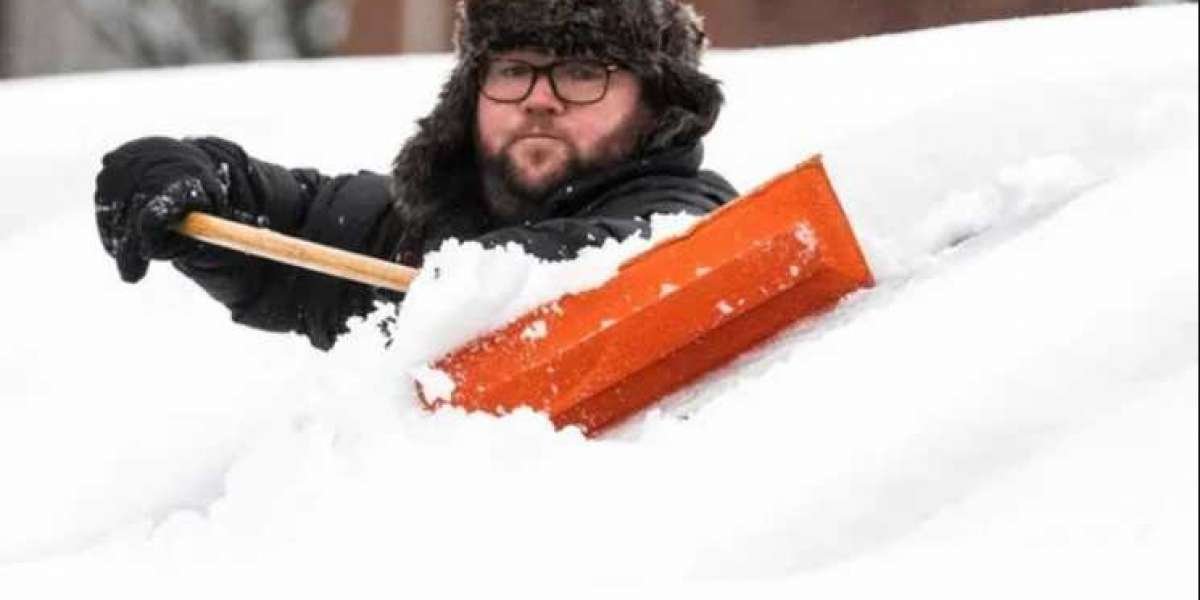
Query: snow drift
[1012,410]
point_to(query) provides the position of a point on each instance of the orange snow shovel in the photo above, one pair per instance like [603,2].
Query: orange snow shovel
[687,306]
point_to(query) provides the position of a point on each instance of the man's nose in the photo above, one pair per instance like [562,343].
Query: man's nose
[542,98]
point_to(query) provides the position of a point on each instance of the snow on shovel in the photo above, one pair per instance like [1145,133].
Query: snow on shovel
[685,307]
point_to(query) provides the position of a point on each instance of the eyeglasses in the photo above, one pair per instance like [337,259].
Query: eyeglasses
[575,81]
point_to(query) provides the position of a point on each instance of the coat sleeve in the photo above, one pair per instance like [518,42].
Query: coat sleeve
[344,212]
[619,214]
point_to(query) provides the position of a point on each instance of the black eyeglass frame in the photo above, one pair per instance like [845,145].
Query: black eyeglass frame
[548,70]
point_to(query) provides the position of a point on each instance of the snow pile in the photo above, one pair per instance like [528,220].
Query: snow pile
[464,290]
[1012,410]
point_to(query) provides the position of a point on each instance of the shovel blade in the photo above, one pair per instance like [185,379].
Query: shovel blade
[689,305]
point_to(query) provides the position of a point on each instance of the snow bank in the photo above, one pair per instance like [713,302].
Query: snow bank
[1012,411]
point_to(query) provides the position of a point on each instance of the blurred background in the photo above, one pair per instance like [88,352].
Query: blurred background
[39,37]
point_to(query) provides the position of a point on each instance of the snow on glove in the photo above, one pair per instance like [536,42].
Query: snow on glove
[144,189]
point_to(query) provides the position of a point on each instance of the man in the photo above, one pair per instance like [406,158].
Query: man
[565,123]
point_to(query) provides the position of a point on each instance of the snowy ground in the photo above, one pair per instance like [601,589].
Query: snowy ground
[1012,411]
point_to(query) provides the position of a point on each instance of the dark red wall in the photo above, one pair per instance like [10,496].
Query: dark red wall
[377,24]
[741,23]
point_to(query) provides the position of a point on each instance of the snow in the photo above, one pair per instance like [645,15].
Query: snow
[805,234]
[436,386]
[1011,411]
[535,331]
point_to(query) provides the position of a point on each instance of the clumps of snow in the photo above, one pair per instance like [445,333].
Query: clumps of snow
[536,330]
[465,290]
[724,307]
[437,386]
[804,232]
[223,176]
[667,289]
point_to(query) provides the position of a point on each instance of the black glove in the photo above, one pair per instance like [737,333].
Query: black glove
[145,188]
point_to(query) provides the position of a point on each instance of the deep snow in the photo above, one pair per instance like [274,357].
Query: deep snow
[1011,411]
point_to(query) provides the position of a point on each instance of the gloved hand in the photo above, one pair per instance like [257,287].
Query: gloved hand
[146,187]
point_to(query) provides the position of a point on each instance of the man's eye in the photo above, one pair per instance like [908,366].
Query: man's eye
[512,71]
[583,71]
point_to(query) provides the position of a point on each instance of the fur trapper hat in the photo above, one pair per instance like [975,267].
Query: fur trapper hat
[435,174]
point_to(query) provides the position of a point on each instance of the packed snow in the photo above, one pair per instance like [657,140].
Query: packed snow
[1012,411]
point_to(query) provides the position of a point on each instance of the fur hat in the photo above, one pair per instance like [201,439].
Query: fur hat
[435,175]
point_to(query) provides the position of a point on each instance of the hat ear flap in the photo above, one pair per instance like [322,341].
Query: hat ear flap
[438,157]
[687,103]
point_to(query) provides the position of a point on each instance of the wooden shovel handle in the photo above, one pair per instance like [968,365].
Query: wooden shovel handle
[268,244]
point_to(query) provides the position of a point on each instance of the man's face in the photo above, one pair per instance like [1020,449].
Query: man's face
[533,146]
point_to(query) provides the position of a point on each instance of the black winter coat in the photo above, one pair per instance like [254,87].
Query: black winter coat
[349,212]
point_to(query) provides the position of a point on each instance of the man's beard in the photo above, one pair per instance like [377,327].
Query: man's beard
[512,200]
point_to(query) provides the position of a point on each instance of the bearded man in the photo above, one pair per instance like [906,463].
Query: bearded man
[564,124]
